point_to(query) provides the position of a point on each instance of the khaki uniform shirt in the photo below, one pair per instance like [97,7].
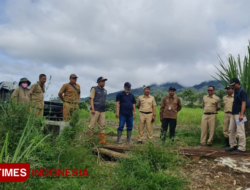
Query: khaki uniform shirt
[21,95]
[70,93]
[228,103]
[210,105]
[169,107]
[146,104]
[36,94]
[92,93]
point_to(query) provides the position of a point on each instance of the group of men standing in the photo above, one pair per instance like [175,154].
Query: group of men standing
[235,103]
[126,109]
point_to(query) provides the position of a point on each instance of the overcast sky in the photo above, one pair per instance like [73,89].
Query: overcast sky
[140,41]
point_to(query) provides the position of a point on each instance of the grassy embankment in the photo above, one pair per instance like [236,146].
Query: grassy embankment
[147,168]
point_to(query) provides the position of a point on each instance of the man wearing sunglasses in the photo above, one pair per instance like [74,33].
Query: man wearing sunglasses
[238,111]
[228,104]
[210,105]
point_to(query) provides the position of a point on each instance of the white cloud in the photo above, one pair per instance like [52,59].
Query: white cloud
[142,41]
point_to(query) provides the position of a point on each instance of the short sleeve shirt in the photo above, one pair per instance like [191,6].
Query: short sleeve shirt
[238,99]
[70,93]
[146,104]
[92,93]
[228,103]
[210,104]
[126,103]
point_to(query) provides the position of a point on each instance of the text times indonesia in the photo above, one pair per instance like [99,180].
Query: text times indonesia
[20,172]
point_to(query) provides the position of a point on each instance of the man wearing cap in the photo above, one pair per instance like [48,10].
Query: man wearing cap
[238,112]
[146,104]
[170,106]
[70,99]
[22,94]
[228,105]
[125,106]
[210,105]
[36,94]
[97,109]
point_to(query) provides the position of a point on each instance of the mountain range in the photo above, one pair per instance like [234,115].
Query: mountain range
[154,88]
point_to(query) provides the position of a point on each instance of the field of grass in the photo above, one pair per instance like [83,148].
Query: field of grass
[186,117]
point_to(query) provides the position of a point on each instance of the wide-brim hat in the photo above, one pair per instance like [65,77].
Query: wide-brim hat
[24,80]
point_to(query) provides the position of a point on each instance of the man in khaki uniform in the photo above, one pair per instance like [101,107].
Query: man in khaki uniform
[22,94]
[210,105]
[170,106]
[97,110]
[36,94]
[228,105]
[71,98]
[146,104]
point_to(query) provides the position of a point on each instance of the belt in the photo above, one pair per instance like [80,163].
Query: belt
[210,113]
[146,112]
[72,102]
[229,112]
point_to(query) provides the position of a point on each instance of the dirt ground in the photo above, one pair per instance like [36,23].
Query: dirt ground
[204,173]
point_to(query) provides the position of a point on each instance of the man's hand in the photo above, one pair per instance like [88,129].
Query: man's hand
[241,117]
[134,114]
[153,118]
[161,119]
[117,115]
[93,111]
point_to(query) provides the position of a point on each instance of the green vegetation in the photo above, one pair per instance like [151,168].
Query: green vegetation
[24,140]
[236,68]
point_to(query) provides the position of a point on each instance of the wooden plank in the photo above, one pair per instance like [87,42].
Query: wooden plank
[110,153]
[210,153]
[118,148]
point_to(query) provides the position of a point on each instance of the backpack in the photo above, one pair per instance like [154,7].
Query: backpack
[247,102]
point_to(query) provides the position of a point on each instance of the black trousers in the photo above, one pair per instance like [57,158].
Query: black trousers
[164,128]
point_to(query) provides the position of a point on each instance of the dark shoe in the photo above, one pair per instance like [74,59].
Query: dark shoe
[139,142]
[129,133]
[119,136]
[226,143]
[202,145]
[209,144]
[231,149]
[238,151]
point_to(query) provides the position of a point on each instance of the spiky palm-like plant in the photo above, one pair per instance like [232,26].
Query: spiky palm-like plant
[236,68]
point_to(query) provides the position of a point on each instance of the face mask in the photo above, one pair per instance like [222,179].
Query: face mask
[24,85]
[127,91]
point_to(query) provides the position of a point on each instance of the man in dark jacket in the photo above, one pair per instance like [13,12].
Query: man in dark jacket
[97,109]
